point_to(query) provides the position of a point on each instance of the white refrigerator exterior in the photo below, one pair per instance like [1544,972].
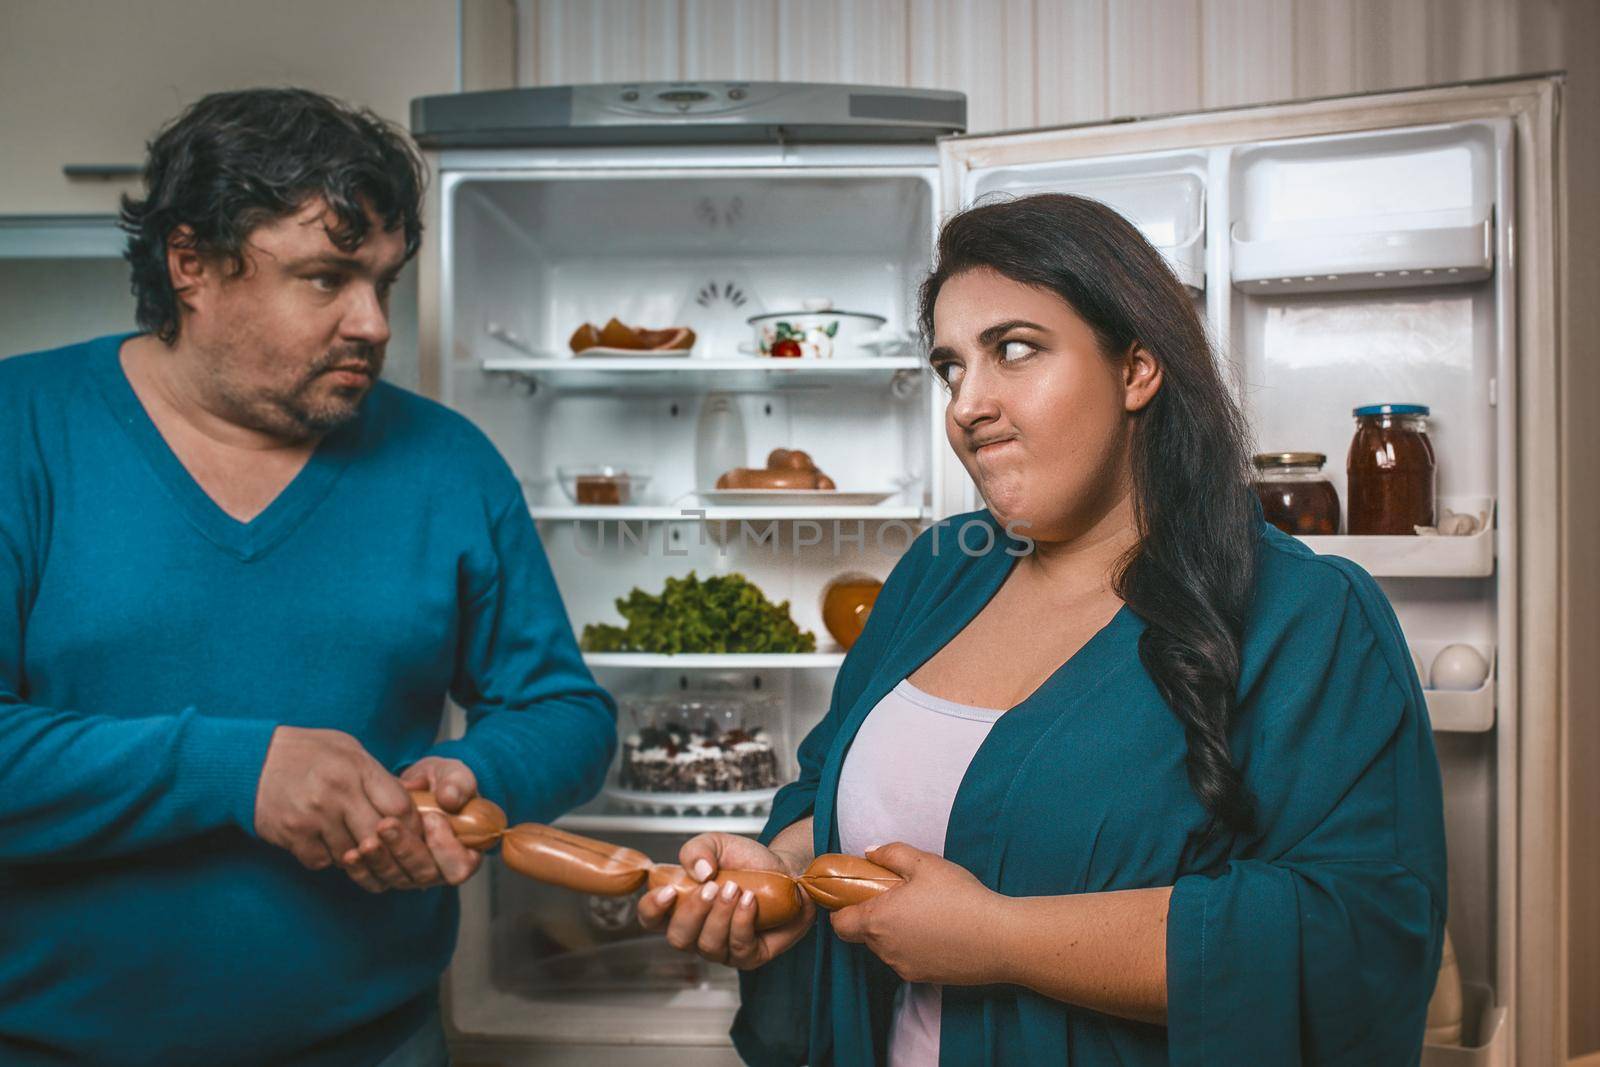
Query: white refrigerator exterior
[1388,248]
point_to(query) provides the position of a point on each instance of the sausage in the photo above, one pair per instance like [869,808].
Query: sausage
[477,825]
[777,901]
[785,459]
[837,881]
[546,854]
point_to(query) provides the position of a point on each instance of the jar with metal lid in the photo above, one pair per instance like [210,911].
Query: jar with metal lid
[1295,496]
[1391,470]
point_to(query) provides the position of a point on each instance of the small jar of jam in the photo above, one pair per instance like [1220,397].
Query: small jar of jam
[1295,497]
[1391,470]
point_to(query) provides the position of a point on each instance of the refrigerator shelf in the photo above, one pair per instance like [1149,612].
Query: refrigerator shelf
[656,374]
[718,661]
[625,822]
[1490,1040]
[645,513]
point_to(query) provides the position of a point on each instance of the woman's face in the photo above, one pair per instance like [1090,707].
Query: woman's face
[1038,415]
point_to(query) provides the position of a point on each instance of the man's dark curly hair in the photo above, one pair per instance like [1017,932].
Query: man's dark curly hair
[236,160]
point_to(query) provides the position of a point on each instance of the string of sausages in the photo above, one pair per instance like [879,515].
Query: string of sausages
[586,865]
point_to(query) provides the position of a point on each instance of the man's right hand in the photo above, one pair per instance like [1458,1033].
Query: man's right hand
[721,926]
[321,794]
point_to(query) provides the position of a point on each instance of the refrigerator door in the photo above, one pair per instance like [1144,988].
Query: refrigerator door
[1343,253]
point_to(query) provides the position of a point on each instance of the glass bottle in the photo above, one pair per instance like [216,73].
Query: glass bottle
[1391,470]
[1295,496]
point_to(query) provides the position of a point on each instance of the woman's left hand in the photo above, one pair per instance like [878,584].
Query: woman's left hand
[940,926]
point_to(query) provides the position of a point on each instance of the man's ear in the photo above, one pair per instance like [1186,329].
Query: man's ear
[189,269]
[1141,379]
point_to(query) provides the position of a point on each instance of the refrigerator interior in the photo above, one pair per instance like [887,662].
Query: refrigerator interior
[1340,271]
[529,255]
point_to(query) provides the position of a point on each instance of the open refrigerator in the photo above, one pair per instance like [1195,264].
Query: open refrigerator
[1343,252]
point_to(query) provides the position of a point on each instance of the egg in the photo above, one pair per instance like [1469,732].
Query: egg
[1422,672]
[1459,667]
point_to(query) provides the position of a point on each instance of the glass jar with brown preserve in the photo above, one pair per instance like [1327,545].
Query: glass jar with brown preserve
[1295,496]
[1391,470]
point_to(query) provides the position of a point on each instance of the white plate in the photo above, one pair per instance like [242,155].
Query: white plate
[746,802]
[602,352]
[792,497]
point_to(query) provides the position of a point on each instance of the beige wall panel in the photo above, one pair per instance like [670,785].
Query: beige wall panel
[579,41]
[1471,39]
[1247,54]
[985,50]
[734,40]
[1580,565]
[1543,30]
[1153,56]
[90,82]
[1324,48]
[1391,44]
[1069,61]
[488,44]
[842,41]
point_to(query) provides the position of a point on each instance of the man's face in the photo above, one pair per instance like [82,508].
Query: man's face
[293,343]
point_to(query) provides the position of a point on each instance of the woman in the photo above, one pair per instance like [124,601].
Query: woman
[1158,777]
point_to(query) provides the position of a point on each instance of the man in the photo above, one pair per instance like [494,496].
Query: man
[238,577]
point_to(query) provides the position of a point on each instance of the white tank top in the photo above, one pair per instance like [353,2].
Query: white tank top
[898,783]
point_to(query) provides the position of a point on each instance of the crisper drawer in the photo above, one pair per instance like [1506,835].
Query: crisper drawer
[539,966]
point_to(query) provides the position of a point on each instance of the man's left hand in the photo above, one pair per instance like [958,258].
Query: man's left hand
[934,928]
[452,784]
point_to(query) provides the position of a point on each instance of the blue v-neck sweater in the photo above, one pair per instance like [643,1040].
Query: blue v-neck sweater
[1314,939]
[150,644]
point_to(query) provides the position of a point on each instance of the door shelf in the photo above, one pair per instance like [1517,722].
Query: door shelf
[1188,261]
[1486,1040]
[625,822]
[717,661]
[694,375]
[1457,711]
[1386,259]
[1418,556]
[604,513]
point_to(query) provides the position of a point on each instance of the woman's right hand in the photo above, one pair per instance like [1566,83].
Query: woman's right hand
[718,922]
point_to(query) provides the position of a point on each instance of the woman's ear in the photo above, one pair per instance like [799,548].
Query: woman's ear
[1141,378]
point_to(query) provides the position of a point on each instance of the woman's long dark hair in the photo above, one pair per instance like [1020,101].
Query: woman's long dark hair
[1190,577]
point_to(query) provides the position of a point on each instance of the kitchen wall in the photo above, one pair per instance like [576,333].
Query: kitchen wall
[90,81]
[1054,62]
[1027,62]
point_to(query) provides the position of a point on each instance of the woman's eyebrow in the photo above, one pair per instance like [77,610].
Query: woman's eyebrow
[988,337]
[994,333]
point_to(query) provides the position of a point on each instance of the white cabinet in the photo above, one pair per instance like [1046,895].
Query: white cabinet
[87,84]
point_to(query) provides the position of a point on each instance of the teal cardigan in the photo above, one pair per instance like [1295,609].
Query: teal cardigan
[1315,939]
